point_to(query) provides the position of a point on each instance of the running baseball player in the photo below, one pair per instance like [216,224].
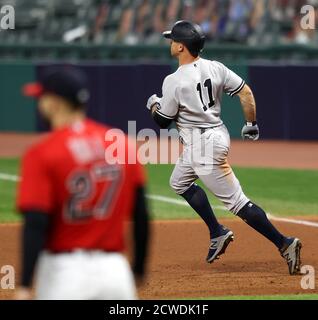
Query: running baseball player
[191,97]
[74,203]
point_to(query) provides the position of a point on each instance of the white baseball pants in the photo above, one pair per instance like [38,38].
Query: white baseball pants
[84,275]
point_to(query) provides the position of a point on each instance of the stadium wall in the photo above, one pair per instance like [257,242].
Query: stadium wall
[16,112]
[284,94]
[286,100]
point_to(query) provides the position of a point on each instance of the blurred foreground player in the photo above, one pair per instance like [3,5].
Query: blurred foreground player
[75,204]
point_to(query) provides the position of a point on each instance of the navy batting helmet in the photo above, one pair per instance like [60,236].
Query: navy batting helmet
[188,33]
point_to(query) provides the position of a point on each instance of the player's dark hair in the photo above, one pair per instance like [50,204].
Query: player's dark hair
[194,47]
[194,53]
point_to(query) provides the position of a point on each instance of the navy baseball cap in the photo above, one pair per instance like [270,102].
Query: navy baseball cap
[67,82]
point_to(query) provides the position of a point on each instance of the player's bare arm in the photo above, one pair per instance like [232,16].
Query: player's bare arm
[248,103]
[250,130]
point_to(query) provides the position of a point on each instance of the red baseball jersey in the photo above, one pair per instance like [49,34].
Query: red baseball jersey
[88,198]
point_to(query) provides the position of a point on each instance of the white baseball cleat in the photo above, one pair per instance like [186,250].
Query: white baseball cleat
[291,253]
[218,245]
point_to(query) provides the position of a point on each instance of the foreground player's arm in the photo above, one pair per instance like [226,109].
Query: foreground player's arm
[141,233]
[33,237]
[35,203]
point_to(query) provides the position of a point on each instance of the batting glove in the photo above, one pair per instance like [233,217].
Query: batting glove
[152,101]
[250,131]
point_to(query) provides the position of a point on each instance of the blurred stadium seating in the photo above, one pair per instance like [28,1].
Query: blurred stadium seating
[112,40]
[72,28]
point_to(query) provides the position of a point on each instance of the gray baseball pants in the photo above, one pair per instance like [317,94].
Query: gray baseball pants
[205,157]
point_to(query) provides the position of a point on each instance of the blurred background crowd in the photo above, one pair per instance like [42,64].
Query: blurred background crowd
[131,22]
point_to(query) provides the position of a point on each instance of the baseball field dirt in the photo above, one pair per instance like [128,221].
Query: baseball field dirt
[177,269]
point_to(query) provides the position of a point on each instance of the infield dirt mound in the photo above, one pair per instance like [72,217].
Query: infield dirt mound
[177,269]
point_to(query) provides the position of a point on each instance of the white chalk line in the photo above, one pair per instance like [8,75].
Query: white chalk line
[288,220]
[9,177]
[180,202]
[270,216]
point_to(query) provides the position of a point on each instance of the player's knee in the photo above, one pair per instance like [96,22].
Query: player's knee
[177,186]
[234,202]
[173,183]
[238,203]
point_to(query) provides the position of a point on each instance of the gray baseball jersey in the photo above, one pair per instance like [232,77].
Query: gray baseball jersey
[193,94]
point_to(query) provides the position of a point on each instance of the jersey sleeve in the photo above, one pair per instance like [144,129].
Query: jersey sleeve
[233,83]
[35,190]
[168,104]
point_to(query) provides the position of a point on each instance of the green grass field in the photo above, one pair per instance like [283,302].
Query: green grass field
[280,192]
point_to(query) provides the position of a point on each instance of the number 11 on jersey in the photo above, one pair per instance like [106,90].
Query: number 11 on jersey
[208,85]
